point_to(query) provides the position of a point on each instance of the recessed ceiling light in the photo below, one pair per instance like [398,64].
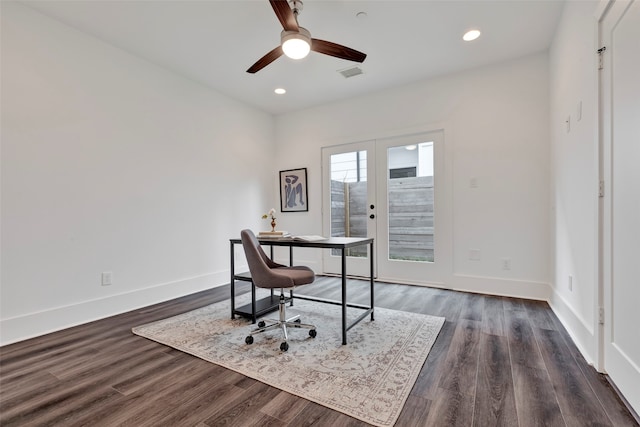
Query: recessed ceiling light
[280,91]
[471,35]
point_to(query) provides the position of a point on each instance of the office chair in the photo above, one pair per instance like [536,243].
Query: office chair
[268,274]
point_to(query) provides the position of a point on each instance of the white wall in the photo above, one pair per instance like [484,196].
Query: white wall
[496,127]
[110,163]
[573,80]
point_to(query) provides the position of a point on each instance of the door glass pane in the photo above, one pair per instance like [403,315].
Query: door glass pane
[410,195]
[349,198]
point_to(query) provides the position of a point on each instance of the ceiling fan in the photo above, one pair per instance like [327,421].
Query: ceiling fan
[296,41]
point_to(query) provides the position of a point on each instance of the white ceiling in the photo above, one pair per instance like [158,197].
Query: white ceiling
[213,42]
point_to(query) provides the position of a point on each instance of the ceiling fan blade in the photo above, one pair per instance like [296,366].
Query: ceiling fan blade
[266,60]
[285,14]
[339,51]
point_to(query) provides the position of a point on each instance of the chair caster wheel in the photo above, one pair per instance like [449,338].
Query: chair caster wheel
[261,324]
[248,339]
[312,333]
[297,321]
[284,346]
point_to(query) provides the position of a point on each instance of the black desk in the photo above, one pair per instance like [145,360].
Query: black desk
[257,308]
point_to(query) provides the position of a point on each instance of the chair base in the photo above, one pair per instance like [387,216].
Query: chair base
[282,323]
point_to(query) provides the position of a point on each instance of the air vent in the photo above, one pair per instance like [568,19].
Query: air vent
[350,72]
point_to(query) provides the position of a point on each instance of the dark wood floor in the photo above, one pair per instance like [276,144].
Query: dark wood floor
[497,361]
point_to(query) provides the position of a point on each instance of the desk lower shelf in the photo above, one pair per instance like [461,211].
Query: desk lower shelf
[263,306]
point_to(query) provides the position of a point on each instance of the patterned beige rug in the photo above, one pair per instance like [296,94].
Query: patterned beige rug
[369,378]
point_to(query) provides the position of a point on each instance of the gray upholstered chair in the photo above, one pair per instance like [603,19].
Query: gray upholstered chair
[268,274]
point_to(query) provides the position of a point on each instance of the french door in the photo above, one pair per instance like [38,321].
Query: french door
[349,202]
[392,190]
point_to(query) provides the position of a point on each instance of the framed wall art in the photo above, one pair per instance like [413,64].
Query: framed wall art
[293,190]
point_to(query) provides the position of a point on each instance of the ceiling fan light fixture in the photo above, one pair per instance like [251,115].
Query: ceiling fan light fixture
[471,35]
[296,44]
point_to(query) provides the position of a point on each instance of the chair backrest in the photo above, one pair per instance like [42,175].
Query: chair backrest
[260,265]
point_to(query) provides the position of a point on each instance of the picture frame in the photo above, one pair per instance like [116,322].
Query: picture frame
[293,190]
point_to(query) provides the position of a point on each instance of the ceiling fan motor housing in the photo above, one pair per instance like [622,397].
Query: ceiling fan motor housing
[296,5]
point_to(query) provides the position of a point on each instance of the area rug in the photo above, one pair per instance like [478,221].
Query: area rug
[369,378]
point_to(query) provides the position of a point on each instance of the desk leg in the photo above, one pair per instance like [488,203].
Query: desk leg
[271,253]
[344,297]
[232,282]
[291,265]
[253,302]
[371,275]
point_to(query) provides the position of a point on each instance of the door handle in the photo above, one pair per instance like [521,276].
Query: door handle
[372,216]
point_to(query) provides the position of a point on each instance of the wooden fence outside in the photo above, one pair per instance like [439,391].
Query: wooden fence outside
[410,215]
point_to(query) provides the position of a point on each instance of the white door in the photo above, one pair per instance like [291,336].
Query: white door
[620,34]
[348,203]
[412,222]
[392,190]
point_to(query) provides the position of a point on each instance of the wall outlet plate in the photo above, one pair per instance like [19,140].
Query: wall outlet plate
[107,278]
[474,254]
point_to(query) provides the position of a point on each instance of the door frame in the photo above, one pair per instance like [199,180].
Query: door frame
[603,9]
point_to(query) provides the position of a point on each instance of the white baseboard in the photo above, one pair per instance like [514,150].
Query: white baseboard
[582,334]
[35,324]
[499,286]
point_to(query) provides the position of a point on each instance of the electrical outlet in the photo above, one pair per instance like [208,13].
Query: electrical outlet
[570,283]
[506,263]
[107,277]
[474,254]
